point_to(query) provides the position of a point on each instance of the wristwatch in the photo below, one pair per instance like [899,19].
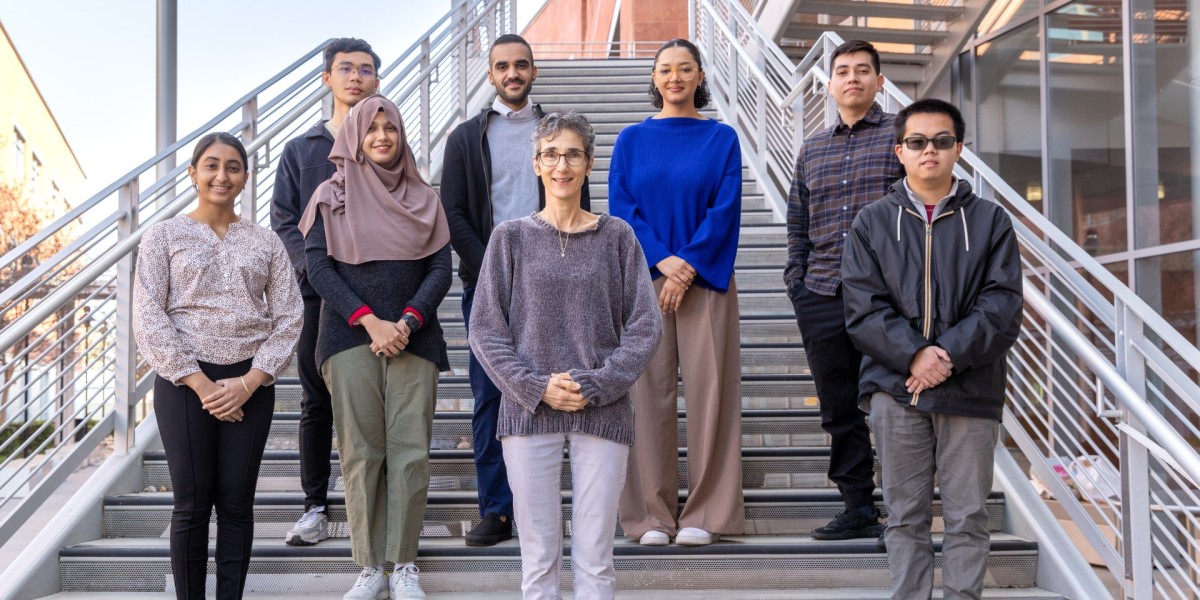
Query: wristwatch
[413,323]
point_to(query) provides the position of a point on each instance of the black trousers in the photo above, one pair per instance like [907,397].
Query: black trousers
[316,412]
[212,463]
[834,362]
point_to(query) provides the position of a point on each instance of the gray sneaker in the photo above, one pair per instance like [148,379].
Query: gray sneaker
[405,583]
[372,584]
[311,528]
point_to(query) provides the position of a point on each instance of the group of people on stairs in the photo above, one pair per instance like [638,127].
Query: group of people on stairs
[581,326]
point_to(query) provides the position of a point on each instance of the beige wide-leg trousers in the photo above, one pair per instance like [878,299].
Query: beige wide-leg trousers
[701,340]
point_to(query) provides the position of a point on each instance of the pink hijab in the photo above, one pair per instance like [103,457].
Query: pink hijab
[376,212]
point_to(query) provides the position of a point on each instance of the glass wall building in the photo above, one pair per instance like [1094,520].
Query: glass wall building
[1091,109]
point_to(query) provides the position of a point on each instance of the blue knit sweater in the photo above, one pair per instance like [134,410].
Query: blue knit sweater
[678,182]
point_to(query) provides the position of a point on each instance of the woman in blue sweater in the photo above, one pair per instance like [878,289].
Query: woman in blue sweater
[677,179]
[378,253]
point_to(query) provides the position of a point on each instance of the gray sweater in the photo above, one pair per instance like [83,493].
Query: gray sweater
[592,313]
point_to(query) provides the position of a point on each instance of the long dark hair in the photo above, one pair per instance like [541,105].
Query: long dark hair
[703,96]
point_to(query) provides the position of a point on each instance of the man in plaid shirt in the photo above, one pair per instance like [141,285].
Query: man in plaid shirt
[838,172]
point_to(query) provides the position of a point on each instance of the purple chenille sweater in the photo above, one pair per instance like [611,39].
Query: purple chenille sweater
[592,313]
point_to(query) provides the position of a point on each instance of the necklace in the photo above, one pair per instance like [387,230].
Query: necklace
[562,242]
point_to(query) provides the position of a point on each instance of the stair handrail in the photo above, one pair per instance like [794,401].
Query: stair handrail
[68,364]
[1100,383]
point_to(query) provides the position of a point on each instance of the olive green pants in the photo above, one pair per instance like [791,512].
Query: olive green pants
[383,415]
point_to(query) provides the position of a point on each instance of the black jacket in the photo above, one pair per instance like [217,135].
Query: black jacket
[955,283]
[466,192]
[303,166]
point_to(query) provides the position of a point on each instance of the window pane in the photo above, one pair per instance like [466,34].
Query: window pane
[1006,12]
[1168,284]
[1167,135]
[1009,136]
[1087,187]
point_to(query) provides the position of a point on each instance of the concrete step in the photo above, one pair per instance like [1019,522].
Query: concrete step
[449,514]
[842,593]
[452,429]
[753,332]
[759,562]
[454,470]
[889,10]
[759,392]
[746,257]
[749,303]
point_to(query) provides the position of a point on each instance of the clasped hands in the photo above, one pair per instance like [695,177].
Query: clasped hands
[388,338]
[562,393]
[224,398]
[679,277]
[930,367]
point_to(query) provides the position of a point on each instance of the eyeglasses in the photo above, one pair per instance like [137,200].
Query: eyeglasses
[347,69]
[920,142]
[685,73]
[574,158]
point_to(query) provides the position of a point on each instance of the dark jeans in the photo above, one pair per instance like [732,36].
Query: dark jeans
[495,497]
[212,462]
[834,362]
[316,412]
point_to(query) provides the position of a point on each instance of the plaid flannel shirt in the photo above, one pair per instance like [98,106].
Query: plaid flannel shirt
[839,171]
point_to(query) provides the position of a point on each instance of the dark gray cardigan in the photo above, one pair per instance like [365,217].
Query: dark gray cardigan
[592,313]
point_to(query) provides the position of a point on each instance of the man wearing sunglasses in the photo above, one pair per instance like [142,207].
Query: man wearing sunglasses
[351,74]
[839,171]
[487,179]
[932,281]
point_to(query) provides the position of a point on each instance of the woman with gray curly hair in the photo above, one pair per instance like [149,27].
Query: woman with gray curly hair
[564,338]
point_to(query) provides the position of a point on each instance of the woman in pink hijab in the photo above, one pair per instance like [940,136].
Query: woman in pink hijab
[378,253]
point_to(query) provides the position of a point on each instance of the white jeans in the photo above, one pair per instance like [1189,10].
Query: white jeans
[534,465]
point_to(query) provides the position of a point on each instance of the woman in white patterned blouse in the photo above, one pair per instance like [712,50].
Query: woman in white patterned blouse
[217,313]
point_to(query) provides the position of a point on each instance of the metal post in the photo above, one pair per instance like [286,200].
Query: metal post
[461,63]
[731,89]
[512,15]
[692,20]
[167,78]
[126,359]
[249,197]
[426,146]
[1136,527]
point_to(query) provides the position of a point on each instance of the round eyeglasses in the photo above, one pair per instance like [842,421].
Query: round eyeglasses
[550,158]
[686,73]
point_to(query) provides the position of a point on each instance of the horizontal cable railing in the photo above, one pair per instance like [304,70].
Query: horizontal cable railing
[1103,399]
[70,376]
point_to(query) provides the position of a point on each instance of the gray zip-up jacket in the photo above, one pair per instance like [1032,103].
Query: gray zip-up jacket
[955,282]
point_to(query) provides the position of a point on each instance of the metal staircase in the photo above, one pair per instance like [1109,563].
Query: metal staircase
[917,39]
[1096,371]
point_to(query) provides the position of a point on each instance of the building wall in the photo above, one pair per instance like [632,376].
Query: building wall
[34,154]
[556,31]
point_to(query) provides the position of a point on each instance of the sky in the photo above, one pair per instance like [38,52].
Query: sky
[94,62]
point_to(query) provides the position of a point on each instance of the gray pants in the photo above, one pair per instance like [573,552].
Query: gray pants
[383,414]
[913,447]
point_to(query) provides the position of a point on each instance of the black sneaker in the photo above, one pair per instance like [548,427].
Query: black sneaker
[861,522]
[490,531]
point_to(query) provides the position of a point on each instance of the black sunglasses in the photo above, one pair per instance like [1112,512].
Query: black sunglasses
[920,142]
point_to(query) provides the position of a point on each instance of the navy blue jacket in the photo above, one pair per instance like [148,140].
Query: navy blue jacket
[304,165]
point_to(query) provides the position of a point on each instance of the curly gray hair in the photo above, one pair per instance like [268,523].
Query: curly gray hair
[553,123]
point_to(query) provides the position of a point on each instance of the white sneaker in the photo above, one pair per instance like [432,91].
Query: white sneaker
[654,537]
[372,584]
[692,536]
[404,583]
[312,527]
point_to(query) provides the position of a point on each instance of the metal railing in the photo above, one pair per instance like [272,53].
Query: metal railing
[71,375]
[1102,398]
